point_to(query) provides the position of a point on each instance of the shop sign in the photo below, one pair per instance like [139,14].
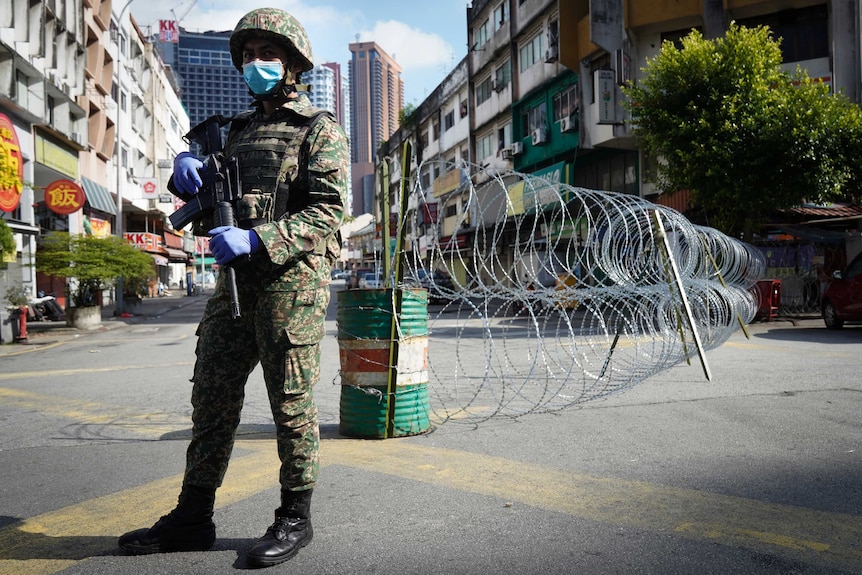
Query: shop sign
[144,240]
[543,189]
[150,188]
[11,166]
[64,197]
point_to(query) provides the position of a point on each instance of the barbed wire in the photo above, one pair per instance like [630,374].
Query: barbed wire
[553,295]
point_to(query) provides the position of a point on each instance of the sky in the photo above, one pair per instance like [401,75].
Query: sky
[427,39]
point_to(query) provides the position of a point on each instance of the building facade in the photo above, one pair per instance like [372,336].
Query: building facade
[543,92]
[209,83]
[84,106]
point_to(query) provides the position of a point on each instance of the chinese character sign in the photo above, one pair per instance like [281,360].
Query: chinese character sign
[64,197]
[11,166]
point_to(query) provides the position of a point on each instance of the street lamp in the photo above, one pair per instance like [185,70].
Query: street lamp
[119,305]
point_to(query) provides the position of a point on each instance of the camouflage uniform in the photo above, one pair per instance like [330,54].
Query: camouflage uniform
[283,291]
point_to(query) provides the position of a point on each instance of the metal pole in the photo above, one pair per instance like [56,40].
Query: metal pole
[120,304]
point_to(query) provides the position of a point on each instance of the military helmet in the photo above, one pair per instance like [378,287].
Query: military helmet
[278,26]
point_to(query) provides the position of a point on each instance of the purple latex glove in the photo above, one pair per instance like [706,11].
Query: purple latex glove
[228,243]
[186,177]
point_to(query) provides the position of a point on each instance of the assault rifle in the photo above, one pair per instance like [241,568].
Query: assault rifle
[218,194]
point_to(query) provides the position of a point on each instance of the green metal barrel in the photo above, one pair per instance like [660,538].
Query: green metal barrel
[381,398]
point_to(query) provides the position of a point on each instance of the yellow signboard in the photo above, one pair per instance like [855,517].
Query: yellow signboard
[56,157]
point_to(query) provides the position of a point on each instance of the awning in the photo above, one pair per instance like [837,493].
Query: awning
[160,260]
[176,255]
[22,228]
[99,197]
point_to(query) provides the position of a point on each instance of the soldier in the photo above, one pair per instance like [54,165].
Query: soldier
[293,162]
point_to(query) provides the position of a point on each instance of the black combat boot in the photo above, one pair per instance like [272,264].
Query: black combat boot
[290,532]
[189,527]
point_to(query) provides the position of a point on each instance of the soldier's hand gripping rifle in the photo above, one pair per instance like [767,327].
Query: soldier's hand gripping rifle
[218,193]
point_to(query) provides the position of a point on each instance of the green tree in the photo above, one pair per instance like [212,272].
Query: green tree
[743,136]
[94,263]
[7,240]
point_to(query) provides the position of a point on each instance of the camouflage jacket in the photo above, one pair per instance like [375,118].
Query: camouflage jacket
[299,245]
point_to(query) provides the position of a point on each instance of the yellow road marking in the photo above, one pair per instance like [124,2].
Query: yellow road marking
[80,370]
[36,347]
[55,540]
[834,538]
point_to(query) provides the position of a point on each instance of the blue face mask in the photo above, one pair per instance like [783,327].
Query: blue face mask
[262,77]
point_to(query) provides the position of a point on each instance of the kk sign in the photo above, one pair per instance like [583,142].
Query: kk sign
[144,240]
[11,166]
[64,197]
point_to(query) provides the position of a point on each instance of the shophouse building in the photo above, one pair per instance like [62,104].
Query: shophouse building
[543,93]
[86,109]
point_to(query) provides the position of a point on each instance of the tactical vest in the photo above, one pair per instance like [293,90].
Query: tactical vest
[273,155]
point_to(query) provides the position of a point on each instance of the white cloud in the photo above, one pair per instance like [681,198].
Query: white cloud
[410,47]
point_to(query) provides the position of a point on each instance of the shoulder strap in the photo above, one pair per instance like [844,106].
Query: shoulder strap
[293,163]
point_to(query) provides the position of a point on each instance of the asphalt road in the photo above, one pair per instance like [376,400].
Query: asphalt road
[756,472]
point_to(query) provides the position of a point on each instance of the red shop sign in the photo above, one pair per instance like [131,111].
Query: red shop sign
[11,166]
[64,197]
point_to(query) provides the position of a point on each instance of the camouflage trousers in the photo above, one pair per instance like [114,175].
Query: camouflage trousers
[282,331]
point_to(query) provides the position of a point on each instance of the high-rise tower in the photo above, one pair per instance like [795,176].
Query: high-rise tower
[376,99]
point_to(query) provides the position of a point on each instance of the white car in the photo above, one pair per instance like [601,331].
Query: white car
[370,281]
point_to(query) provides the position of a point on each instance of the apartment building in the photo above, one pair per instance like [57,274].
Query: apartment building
[543,91]
[376,99]
[85,107]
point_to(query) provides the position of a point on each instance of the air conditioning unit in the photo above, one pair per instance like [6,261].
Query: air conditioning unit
[552,53]
[539,136]
[507,153]
[517,148]
[567,125]
[77,138]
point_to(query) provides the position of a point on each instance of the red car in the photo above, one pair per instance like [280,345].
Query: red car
[842,300]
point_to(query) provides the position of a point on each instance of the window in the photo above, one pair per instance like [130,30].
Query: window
[504,137]
[483,91]
[804,33]
[481,34]
[501,15]
[124,157]
[534,118]
[123,101]
[532,52]
[451,210]
[49,108]
[21,86]
[553,39]
[449,120]
[485,146]
[567,103]
[503,75]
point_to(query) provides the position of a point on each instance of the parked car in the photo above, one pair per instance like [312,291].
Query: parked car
[371,280]
[842,299]
[355,276]
[340,274]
